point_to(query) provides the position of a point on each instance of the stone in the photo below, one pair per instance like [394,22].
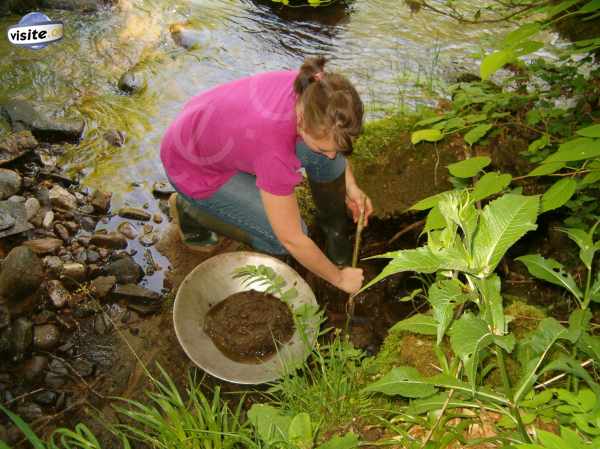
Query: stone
[57,366]
[103,285]
[54,380]
[157,218]
[29,411]
[16,145]
[6,340]
[32,207]
[127,229]
[22,115]
[17,199]
[74,271]
[34,368]
[189,38]
[44,246]
[45,397]
[92,256]
[22,336]
[139,298]
[71,226]
[112,240]
[101,201]
[10,183]
[62,198]
[125,270]
[13,218]
[87,209]
[58,294]
[83,367]
[150,238]
[115,138]
[147,228]
[134,213]
[132,82]
[54,264]
[48,219]
[162,188]
[21,275]
[101,324]
[4,316]
[62,232]
[46,336]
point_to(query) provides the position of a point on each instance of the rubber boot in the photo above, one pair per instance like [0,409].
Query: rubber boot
[330,200]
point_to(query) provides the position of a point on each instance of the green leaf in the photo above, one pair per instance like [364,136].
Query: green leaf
[270,424]
[490,184]
[547,169]
[590,131]
[430,120]
[32,438]
[550,270]
[595,289]
[591,178]
[419,324]
[551,441]
[348,441]
[585,243]
[444,296]
[538,144]
[503,222]
[475,134]
[576,150]
[524,32]
[435,220]
[300,432]
[427,203]
[430,135]
[494,61]
[469,167]
[578,322]
[590,345]
[592,6]
[492,303]
[404,381]
[557,195]
[454,123]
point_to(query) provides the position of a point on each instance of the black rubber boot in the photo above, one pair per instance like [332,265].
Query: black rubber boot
[330,200]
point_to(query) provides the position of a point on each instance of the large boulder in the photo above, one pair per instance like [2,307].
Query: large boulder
[10,183]
[21,274]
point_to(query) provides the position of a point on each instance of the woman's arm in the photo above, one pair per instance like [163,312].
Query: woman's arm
[284,216]
[355,197]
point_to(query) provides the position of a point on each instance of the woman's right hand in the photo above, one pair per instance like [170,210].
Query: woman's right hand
[351,279]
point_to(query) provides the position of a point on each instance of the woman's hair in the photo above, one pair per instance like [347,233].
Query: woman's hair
[331,104]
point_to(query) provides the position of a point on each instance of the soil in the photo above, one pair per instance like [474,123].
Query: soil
[248,326]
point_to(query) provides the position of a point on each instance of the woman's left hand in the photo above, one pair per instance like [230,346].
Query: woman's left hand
[356,199]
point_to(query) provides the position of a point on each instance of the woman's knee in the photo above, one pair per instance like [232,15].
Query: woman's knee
[318,167]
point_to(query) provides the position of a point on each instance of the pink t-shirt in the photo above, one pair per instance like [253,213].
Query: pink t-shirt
[248,125]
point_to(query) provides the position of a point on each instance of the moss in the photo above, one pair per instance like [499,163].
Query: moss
[380,136]
[525,317]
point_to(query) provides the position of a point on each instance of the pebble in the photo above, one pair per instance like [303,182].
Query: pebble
[127,229]
[101,325]
[83,367]
[150,238]
[157,217]
[54,380]
[134,213]
[22,336]
[58,294]
[113,240]
[29,411]
[32,207]
[34,367]
[4,316]
[74,271]
[54,264]
[45,397]
[71,226]
[103,285]
[147,228]
[92,256]
[125,270]
[162,188]
[87,209]
[100,201]
[17,199]
[62,232]
[10,183]
[48,219]
[44,246]
[62,198]
[57,366]
[46,336]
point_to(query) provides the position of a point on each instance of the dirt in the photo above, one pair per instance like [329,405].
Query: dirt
[248,326]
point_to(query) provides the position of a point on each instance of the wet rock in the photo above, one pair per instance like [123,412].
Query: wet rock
[62,232]
[7,221]
[16,145]
[87,209]
[132,82]
[22,115]
[17,199]
[115,138]
[162,188]
[157,217]
[57,366]
[74,271]
[34,368]
[100,201]
[5,340]
[45,398]
[71,226]
[58,294]
[10,183]
[103,285]
[127,229]
[147,228]
[48,219]
[80,255]
[32,207]
[134,213]
[46,336]
[83,367]
[4,316]
[67,323]
[150,238]
[92,256]
[101,324]
[188,38]
[54,380]
[125,270]
[13,218]
[29,411]
[54,264]
[88,223]
[21,275]
[44,246]
[113,240]
[62,198]
[22,336]
[139,298]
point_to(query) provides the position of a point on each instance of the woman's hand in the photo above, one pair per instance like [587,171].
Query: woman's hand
[351,279]
[356,199]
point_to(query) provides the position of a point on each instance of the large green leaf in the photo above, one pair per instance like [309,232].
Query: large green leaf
[427,203]
[430,135]
[475,134]
[469,336]
[557,195]
[590,131]
[444,296]
[418,323]
[270,424]
[595,289]
[551,271]
[586,245]
[300,432]
[490,184]
[492,303]
[494,61]
[547,169]
[469,167]
[348,441]
[404,381]
[503,222]
[521,34]
[435,220]
[576,150]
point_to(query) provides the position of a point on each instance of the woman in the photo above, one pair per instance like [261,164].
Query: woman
[234,156]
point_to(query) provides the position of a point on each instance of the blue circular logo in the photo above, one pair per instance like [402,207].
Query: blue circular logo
[35,18]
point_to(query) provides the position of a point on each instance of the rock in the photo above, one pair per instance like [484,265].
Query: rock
[54,264]
[101,201]
[62,232]
[17,199]
[103,285]
[132,82]
[73,271]
[58,294]
[101,324]
[188,38]
[21,275]
[4,316]
[87,223]
[162,188]
[54,380]
[23,116]
[32,207]
[83,367]
[134,213]
[46,336]
[6,340]
[62,198]
[22,336]
[57,366]
[29,411]
[10,183]
[16,145]
[13,218]
[147,228]
[127,229]
[7,221]
[87,209]
[92,256]
[45,398]
[113,240]
[157,217]
[125,270]
[139,298]
[115,138]
[44,246]
[71,226]
[34,367]
[150,238]
[48,219]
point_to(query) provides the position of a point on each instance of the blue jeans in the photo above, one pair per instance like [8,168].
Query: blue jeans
[238,202]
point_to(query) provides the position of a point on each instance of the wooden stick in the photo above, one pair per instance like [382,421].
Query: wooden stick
[359,228]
